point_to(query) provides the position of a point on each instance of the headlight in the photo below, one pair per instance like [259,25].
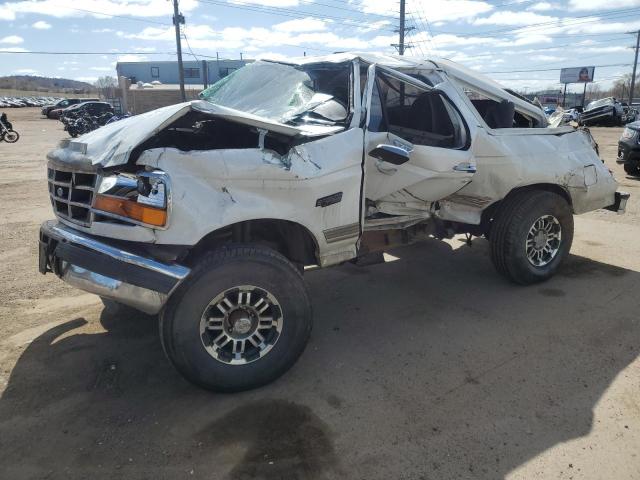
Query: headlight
[143,198]
[628,133]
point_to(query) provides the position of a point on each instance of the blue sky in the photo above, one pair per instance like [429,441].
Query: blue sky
[499,37]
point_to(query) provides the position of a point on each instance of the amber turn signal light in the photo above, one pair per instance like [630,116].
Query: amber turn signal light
[130,209]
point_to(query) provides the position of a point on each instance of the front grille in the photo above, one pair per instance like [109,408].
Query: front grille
[71,194]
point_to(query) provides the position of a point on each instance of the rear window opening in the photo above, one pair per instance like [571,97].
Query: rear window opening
[498,114]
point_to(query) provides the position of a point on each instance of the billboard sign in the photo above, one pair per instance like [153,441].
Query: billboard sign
[577,75]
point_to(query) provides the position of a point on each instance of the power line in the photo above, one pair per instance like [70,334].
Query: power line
[41,52]
[556,69]
[284,12]
[125,17]
[537,26]
[360,12]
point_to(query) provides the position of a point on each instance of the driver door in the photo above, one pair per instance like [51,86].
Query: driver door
[416,144]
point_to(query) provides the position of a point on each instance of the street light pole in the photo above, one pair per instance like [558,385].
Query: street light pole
[178,18]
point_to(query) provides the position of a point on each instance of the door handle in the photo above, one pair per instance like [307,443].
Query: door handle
[385,171]
[465,167]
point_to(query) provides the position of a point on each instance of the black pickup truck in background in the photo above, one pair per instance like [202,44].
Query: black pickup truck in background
[629,149]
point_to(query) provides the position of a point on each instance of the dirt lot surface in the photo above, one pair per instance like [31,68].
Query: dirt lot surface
[429,366]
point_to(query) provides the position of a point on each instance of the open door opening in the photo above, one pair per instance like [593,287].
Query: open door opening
[416,149]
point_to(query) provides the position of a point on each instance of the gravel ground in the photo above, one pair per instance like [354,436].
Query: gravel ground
[429,366]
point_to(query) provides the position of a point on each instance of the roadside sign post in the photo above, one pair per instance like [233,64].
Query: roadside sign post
[576,75]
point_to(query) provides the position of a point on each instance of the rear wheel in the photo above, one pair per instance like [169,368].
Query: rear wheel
[531,236]
[240,320]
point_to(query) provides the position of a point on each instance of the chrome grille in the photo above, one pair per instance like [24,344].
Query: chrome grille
[71,194]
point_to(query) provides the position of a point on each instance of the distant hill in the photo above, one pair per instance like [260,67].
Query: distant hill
[45,84]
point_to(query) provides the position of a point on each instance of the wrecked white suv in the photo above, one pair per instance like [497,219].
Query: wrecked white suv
[207,212]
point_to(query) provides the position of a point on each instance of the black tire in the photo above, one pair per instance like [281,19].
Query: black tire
[117,309]
[509,230]
[632,167]
[215,273]
[11,136]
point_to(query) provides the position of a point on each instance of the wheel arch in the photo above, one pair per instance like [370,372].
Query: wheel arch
[289,238]
[489,213]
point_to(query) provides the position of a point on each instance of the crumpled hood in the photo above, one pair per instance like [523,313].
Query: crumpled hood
[112,144]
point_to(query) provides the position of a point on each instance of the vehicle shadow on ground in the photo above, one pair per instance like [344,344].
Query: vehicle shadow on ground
[429,366]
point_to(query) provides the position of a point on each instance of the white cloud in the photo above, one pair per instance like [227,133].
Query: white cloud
[513,19]
[25,71]
[268,3]
[101,69]
[307,24]
[132,58]
[65,8]
[600,27]
[270,56]
[547,58]
[435,10]
[611,49]
[41,25]
[253,39]
[13,49]
[601,4]
[373,26]
[12,40]
[543,7]
[86,79]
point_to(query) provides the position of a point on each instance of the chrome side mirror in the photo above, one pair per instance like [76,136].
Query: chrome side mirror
[390,154]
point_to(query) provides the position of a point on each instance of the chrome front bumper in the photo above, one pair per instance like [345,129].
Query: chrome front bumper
[94,266]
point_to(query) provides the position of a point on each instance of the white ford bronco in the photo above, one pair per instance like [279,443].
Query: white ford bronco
[208,212]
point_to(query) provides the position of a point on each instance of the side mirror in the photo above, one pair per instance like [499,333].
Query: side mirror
[390,154]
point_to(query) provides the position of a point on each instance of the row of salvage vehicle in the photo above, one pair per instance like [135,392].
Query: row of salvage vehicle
[20,102]
[210,212]
[604,112]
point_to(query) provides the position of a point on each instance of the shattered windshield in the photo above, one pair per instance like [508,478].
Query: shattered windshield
[600,103]
[316,93]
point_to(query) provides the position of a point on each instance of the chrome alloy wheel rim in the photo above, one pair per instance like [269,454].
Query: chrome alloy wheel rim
[543,240]
[241,325]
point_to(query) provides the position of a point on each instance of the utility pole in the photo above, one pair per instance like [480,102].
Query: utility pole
[400,46]
[635,67]
[402,23]
[178,19]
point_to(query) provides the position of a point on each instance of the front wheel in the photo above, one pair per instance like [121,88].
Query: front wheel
[11,136]
[240,320]
[632,167]
[531,236]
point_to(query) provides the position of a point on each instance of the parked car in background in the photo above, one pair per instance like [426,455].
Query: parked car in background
[606,111]
[92,108]
[62,104]
[629,149]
